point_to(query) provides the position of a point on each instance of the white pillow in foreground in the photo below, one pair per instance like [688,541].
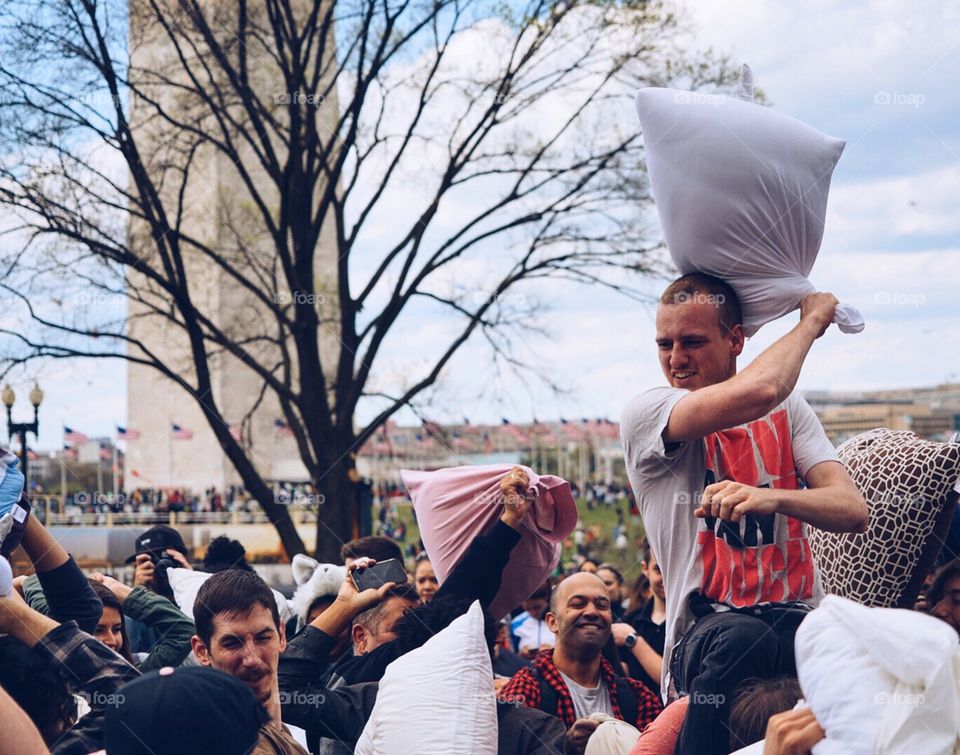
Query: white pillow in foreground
[880,680]
[741,191]
[437,699]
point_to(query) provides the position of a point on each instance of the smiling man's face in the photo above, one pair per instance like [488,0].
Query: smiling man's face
[695,348]
[581,616]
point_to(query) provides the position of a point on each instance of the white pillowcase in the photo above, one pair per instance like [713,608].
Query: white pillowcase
[741,191]
[437,699]
[880,680]
[186,583]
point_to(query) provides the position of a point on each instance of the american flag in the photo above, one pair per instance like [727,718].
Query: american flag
[72,436]
[106,453]
[180,433]
[126,433]
[281,429]
[70,453]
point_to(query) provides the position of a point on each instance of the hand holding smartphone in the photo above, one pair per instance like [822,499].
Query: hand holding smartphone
[376,576]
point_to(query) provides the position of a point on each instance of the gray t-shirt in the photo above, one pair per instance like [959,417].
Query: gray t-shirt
[764,558]
[587,700]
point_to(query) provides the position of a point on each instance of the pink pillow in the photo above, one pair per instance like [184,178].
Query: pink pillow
[455,505]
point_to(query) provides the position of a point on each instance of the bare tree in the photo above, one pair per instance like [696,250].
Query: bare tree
[378,154]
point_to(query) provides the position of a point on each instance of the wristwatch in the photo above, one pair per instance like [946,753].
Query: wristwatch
[631,640]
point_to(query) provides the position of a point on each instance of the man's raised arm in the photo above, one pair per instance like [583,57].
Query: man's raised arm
[757,389]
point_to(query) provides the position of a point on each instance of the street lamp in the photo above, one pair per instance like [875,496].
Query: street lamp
[21,429]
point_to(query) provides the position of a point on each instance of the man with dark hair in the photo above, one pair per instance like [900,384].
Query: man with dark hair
[729,468]
[373,546]
[375,626]
[573,681]
[239,632]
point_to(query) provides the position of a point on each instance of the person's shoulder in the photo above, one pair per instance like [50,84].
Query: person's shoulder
[649,399]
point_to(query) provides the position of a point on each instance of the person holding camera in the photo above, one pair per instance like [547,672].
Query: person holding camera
[157,549]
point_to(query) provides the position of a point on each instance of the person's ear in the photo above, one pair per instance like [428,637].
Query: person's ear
[359,636]
[200,651]
[552,624]
[737,340]
[283,636]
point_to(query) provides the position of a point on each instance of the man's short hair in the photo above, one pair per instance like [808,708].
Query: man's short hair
[754,701]
[372,617]
[700,286]
[231,592]
[372,546]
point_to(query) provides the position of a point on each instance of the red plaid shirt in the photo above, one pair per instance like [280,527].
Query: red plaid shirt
[524,689]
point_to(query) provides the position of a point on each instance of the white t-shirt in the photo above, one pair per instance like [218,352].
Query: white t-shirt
[764,558]
[587,700]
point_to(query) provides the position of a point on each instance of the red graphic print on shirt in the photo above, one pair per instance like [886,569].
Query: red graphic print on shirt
[762,557]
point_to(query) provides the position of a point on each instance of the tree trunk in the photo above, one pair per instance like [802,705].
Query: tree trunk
[338,519]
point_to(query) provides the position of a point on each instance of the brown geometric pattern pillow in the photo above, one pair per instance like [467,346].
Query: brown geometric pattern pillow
[908,484]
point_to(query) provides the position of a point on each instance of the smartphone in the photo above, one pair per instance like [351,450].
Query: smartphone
[380,573]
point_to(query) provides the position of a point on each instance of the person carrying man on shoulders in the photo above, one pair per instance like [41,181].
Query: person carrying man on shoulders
[729,468]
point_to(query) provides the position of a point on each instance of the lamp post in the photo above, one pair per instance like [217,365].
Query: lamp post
[21,429]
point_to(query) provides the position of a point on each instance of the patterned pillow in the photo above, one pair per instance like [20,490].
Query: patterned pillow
[908,484]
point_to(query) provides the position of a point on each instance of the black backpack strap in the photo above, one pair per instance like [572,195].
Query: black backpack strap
[548,695]
[627,698]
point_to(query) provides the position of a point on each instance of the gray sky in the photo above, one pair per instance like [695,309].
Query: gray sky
[881,76]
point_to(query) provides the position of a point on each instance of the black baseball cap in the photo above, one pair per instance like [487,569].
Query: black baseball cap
[156,540]
[174,711]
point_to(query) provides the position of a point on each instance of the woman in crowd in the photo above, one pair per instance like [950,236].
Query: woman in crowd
[424,579]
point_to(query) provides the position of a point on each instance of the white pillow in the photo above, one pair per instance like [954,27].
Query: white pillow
[741,191]
[186,583]
[900,672]
[437,699]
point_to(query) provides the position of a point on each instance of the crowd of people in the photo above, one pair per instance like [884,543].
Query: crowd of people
[684,647]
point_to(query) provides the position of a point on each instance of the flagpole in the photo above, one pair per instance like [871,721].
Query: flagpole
[99,472]
[63,479]
[116,472]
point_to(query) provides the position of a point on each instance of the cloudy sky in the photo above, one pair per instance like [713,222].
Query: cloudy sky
[884,78]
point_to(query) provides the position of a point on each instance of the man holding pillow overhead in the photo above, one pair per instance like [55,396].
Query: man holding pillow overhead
[729,469]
